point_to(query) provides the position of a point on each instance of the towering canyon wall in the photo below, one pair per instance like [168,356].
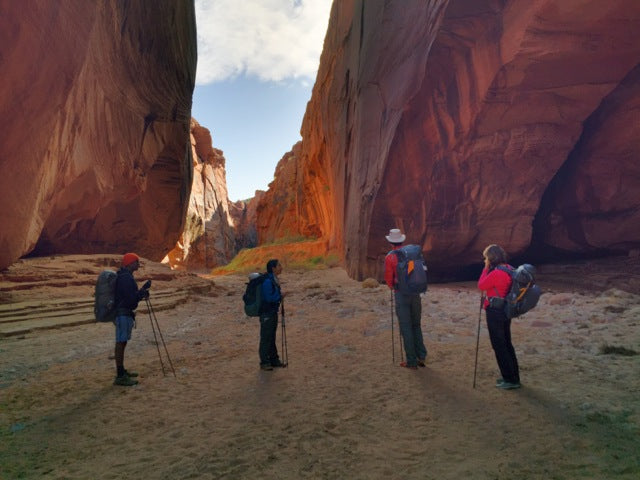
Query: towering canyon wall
[469,122]
[208,239]
[95,104]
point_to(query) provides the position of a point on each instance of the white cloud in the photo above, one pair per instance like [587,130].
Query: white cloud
[273,40]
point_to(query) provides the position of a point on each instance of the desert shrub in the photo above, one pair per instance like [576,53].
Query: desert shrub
[615,350]
[370,283]
[316,260]
[332,260]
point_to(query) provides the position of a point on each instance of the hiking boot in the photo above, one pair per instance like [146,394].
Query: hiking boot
[405,365]
[266,366]
[508,385]
[499,381]
[130,374]
[125,381]
[421,363]
[278,365]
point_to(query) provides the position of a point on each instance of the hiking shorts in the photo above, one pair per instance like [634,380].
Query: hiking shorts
[124,325]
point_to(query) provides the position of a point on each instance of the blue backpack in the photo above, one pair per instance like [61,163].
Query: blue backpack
[411,270]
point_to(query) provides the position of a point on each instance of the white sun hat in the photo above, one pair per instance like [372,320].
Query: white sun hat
[395,236]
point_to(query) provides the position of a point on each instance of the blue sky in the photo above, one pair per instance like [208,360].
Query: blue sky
[257,61]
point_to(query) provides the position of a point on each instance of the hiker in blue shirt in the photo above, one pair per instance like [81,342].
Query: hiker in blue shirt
[271,298]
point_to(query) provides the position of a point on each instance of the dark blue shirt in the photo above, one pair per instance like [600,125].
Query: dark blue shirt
[127,293]
[271,295]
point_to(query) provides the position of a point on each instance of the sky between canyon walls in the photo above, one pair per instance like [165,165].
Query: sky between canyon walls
[257,62]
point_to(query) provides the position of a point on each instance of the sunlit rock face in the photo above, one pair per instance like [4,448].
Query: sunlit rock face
[208,238]
[280,213]
[451,121]
[94,137]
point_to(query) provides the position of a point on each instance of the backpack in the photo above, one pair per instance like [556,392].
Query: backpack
[524,292]
[412,271]
[252,297]
[104,306]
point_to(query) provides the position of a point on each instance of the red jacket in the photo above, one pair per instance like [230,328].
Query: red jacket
[496,283]
[391,268]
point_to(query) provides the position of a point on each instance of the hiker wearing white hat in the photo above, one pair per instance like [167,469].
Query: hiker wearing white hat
[395,236]
[406,292]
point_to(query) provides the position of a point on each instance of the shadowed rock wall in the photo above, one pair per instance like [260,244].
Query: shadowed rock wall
[592,204]
[451,120]
[95,106]
[244,215]
[208,238]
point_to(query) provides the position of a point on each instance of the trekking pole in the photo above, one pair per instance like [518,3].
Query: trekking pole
[475,367]
[285,353]
[401,341]
[393,341]
[154,335]
[152,315]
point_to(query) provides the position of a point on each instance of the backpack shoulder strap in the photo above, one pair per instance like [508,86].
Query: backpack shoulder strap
[505,269]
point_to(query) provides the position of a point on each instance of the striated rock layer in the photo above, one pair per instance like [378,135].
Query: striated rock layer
[94,142]
[468,122]
[282,212]
[208,238]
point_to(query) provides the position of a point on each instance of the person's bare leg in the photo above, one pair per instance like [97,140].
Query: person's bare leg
[119,354]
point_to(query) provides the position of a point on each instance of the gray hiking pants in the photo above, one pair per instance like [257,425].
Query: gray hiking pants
[409,312]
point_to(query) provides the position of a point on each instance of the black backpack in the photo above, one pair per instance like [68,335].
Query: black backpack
[524,292]
[411,270]
[104,306]
[252,297]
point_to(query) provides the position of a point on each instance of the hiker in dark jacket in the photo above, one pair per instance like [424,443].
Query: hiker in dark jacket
[496,283]
[271,298]
[126,300]
[408,307]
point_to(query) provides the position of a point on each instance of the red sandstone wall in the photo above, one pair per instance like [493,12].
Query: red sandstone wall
[451,120]
[280,213]
[593,203]
[95,104]
[496,118]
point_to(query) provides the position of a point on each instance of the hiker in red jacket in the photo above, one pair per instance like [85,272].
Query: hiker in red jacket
[496,284]
[408,307]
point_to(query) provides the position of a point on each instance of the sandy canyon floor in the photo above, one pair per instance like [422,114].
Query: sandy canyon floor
[342,409]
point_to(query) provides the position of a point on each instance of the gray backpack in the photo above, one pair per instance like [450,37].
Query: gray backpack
[524,292]
[104,306]
[252,297]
